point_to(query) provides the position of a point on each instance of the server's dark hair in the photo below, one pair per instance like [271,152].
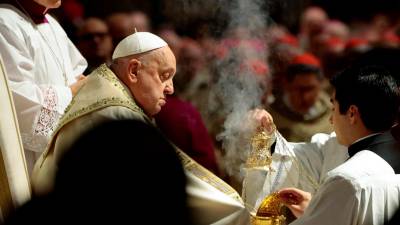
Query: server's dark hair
[373,90]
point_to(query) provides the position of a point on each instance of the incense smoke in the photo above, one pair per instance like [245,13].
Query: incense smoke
[239,88]
[240,70]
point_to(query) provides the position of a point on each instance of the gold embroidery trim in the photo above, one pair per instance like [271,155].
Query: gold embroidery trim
[6,202]
[106,73]
[102,72]
[206,176]
[111,101]
[189,164]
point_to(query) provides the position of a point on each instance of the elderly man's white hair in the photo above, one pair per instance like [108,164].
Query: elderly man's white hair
[137,43]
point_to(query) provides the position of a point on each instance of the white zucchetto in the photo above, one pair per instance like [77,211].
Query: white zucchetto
[136,43]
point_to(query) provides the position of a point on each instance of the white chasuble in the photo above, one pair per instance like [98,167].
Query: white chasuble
[104,97]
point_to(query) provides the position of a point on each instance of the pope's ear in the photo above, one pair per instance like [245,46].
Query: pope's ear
[133,68]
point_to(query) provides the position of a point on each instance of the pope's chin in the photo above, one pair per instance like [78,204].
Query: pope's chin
[155,111]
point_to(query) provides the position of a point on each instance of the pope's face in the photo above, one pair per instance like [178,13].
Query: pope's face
[51,4]
[154,81]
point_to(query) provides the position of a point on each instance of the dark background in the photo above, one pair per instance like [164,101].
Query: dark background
[188,16]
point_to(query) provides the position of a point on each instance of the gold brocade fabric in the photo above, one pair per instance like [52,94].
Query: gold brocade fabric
[114,93]
[199,171]
[84,102]
[80,106]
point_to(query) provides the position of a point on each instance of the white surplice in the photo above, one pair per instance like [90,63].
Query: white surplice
[362,191]
[35,57]
[301,165]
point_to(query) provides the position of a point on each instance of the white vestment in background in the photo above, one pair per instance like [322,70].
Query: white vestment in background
[35,58]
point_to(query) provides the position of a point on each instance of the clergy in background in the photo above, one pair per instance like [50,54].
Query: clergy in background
[43,68]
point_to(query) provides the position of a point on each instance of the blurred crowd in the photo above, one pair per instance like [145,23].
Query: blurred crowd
[294,75]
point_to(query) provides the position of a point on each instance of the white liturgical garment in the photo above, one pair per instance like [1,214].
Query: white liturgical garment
[300,165]
[41,62]
[362,191]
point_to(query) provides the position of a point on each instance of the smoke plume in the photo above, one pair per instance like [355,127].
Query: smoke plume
[240,83]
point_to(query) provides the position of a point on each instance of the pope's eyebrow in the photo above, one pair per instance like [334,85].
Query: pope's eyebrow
[169,70]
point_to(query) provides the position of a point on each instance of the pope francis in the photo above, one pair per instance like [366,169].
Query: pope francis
[134,87]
